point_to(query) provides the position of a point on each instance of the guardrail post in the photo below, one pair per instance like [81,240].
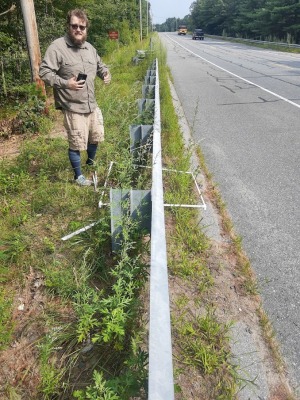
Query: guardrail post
[148,91]
[139,136]
[146,105]
[134,203]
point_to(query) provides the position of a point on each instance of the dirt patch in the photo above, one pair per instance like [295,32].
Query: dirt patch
[58,129]
[10,147]
[11,142]
[19,363]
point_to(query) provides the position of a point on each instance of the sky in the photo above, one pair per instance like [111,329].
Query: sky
[163,9]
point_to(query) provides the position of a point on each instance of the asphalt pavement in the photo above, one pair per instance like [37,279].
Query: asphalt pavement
[243,108]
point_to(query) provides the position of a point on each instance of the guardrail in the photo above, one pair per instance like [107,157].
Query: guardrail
[280,44]
[161,386]
[143,204]
[148,205]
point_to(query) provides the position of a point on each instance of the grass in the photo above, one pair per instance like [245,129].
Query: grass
[269,335]
[6,327]
[204,345]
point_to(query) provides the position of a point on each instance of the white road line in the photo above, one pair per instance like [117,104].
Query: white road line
[237,76]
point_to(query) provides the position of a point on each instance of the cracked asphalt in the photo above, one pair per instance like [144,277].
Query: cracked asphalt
[243,108]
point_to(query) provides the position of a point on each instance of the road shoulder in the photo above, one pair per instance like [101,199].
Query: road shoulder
[261,377]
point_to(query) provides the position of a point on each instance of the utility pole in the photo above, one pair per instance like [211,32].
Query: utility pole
[147,17]
[141,22]
[32,41]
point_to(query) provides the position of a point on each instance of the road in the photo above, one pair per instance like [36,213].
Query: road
[243,106]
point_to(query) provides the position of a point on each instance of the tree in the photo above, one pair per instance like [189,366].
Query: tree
[268,19]
[209,15]
[283,18]
[245,24]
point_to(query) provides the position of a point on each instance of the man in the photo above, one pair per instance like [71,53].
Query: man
[65,58]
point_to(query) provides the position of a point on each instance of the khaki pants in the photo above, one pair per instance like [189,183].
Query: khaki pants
[84,128]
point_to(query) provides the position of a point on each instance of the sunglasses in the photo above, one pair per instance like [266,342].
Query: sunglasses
[75,27]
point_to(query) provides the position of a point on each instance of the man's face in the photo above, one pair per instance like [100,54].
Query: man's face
[77,31]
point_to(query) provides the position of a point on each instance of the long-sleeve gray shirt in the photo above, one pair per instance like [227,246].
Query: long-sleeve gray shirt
[63,60]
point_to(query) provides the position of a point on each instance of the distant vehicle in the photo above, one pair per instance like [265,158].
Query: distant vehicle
[198,34]
[182,30]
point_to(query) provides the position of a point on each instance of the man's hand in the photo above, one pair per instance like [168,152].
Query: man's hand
[107,78]
[73,84]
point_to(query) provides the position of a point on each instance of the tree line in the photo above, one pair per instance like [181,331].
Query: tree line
[277,20]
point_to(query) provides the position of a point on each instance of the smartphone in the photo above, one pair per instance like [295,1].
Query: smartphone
[81,77]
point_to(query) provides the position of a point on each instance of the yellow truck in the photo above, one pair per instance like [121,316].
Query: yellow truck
[182,30]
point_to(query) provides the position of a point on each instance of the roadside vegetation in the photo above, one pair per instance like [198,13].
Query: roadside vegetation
[71,307]
[74,314]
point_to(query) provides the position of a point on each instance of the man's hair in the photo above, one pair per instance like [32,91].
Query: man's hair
[79,14]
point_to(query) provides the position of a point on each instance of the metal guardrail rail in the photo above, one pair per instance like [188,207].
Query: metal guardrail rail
[161,381]
[280,44]
[151,205]
[161,385]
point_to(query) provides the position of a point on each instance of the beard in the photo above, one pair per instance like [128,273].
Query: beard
[77,39]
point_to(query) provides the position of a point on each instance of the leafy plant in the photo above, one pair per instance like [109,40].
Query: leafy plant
[87,305]
[98,391]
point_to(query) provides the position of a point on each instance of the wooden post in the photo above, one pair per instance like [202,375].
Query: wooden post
[141,22]
[3,79]
[147,17]
[32,41]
